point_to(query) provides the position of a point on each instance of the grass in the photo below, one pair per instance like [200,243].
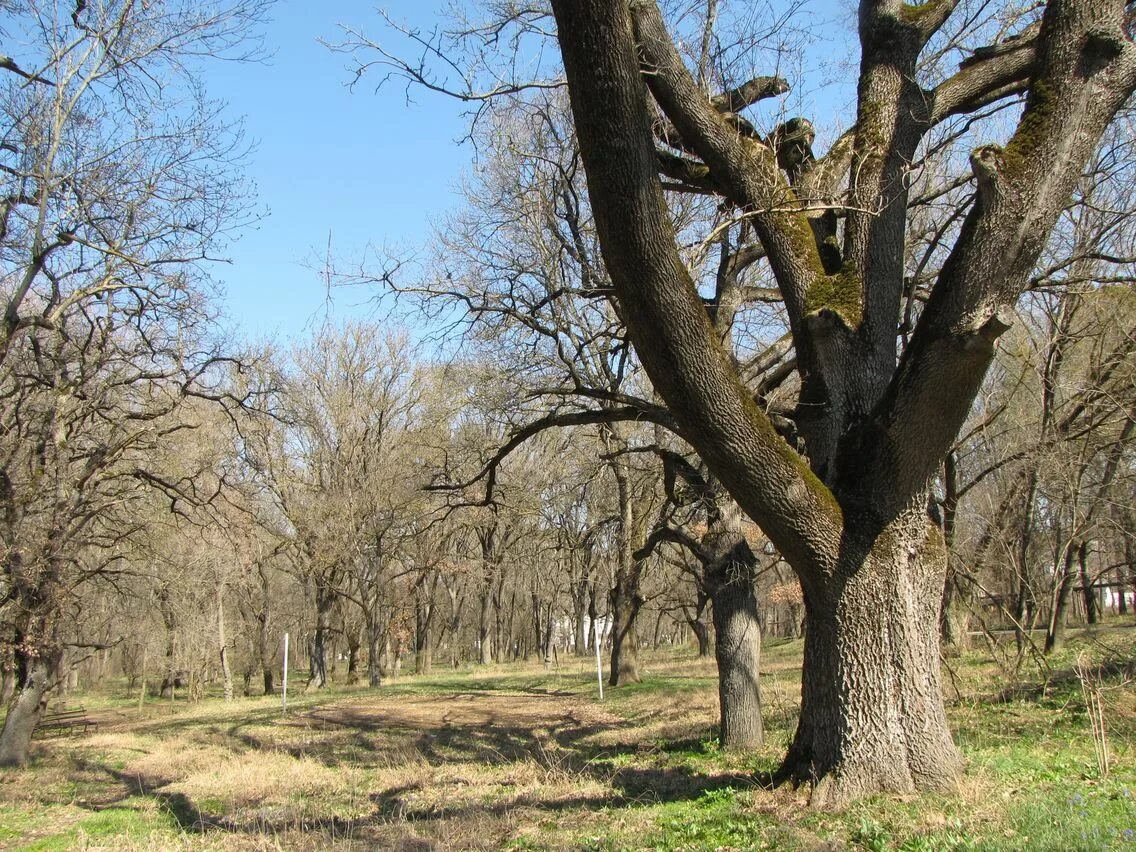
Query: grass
[523,758]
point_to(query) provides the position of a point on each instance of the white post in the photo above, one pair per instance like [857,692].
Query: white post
[284,685]
[599,663]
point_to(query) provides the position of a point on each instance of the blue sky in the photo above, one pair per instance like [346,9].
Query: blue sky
[360,166]
[365,167]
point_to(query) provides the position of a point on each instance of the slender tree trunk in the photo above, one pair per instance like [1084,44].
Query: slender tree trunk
[455,625]
[955,616]
[170,680]
[1026,601]
[625,598]
[536,622]
[549,626]
[423,641]
[226,672]
[579,618]
[872,716]
[485,624]
[701,631]
[266,650]
[388,659]
[1062,593]
[698,624]
[1088,590]
[375,652]
[318,646]
[354,643]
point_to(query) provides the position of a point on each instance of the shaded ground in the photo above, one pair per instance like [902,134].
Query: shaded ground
[522,758]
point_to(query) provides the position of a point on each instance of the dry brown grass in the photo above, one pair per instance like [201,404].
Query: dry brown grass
[496,757]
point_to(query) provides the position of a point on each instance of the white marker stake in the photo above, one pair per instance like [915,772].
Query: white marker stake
[599,663]
[284,685]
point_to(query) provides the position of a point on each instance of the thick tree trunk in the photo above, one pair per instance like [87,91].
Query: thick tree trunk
[24,713]
[737,649]
[579,618]
[29,700]
[872,715]
[625,605]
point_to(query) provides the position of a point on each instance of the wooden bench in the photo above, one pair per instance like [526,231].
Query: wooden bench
[67,718]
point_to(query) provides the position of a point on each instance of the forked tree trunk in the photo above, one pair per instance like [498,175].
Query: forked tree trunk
[872,716]
[853,523]
[737,648]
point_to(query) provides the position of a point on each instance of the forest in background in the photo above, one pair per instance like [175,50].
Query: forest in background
[173,502]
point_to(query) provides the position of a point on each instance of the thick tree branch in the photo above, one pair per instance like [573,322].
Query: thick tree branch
[663,311]
[1086,70]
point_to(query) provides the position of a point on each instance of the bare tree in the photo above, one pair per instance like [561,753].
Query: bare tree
[117,177]
[852,521]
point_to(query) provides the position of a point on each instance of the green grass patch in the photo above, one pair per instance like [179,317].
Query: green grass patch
[525,757]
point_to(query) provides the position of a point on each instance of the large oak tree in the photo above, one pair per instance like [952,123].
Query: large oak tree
[850,514]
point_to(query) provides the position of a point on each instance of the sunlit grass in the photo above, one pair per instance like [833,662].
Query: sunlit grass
[524,756]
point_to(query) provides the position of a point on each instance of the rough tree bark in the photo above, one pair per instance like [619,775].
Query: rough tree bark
[852,520]
[625,605]
[37,656]
[727,580]
[737,648]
